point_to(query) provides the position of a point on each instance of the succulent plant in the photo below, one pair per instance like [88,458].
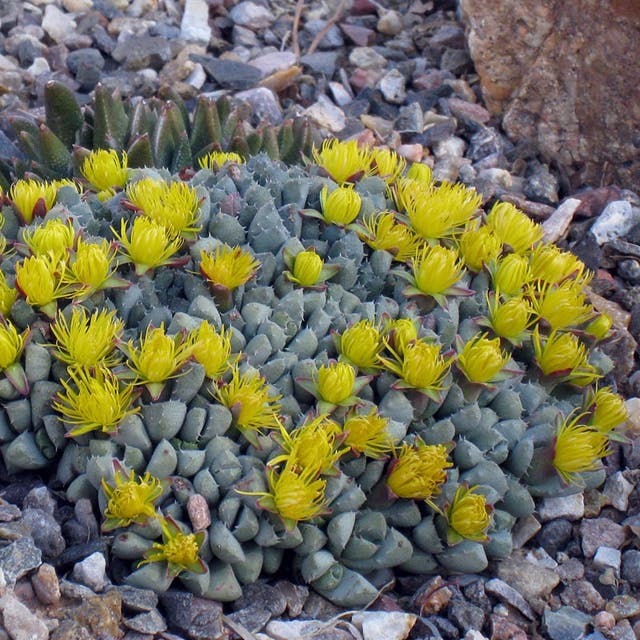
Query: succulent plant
[153,133]
[231,412]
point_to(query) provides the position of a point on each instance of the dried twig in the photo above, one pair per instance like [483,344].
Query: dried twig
[295,43]
[337,14]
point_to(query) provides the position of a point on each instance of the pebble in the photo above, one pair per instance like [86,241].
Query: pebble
[392,86]
[19,622]
[567,623]
[615,221]
[367,58]
[390,23]
[569,507]
[251,15]
[581,594]
[630,566]
[194,26]
[45,584]
[57,24]
[617,490]
[327,115]
[598,532]
[91,572]
[509,595]
[607,557]
[384,625]
[623,606]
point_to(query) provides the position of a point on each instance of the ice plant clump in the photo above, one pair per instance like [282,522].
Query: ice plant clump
[106,170]
[94,401]
[418,471]
[178,549]
[578,448]
[468,516]
[87,340]
[130,500]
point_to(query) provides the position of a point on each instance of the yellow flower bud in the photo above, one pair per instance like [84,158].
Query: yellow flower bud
[307,267]
[481,359]
[54,236]
[343,161]
[511,274]
[436,269]
[361,344]
[514,227]
[468,515]
[11,344]
[26,194]
[608,410]
[509,319]
[105,169]
[341,206]
[600,326]
[421,172]
[336,382]
[479,247]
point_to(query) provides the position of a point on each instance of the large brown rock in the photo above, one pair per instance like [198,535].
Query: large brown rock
[564,75]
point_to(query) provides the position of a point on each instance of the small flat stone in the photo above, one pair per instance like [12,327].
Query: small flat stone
[524,530]
[509,595]
[581,594]
[19,622]
[367,58]
[18,558]
[569,507]
[468,111]
[252,618]
[597,532]
[503,629]
[275,61]
[198,618]
[384,625]
[557,224]
[607,557]
[295,595]
[360,36]
[390,23]
[136,599]
[45,584]
[150,622]
[327,115]
[264,104]
[392,86]
[229,74]
[566,623]
[251,15]
[615,221]
[57,24]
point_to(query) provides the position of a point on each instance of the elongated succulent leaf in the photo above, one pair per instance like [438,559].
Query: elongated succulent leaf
[110,120]
[54,152]
[62,112]
[140,153]
[206,129]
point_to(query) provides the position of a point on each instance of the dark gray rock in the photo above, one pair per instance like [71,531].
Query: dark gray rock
[18,558]
[630,569]
[555,535]
[150,622]
[566,623]
[252,618]
[323,62]
[465,615]
[135,599]
[229,74]
[198,618]
[86,66]
[45,532]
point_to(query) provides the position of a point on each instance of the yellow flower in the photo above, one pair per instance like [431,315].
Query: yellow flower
[343,161]
[32,197]
[421,366]
[341,206]
[105,169]
[420,172]
[509,319]
[8,296]
[214,160]
[435,272]
[468,516]
[11,344]
[551,264]
[361,344]
[563,305]
[478,247]
[212,349]
[607,410]
[98,402]
[440,211]
[418,471]
[174,205]
[511,274]
[149,244]
[307,267]
[400,333]
[600,326]
[564,357]
[38,280]
[383,233]
[578,448]
[312,446]
[158,358]
[178,549]
[387,164]
[294,494]
[336,382]
[514,227]
[248,398]
[368,434]
[228,267]
[87,340]
[130,500]
[54,236]
[481,359]
[91,268]
[407,190]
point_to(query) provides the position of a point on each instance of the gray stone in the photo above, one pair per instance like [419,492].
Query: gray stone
[18,558]
[198,618]
[385,625]
[607,557]
[91,572]
[19,622]
[229,74]
[624,606]
[326,114]
[139,600]
[630,569]
[390,23]
[615,221]
[332,39]
[194,26]
[367,58]
[509,595]
[570,569]
[143,52]
[569,507]
[321,62]
[264,104]
[464,614]
[524,530]
[40,498]
[45,531]
[392,86]
[253,618]
[617,490]
[86,66]
[566,623]
[150,622]
[57,24]
[251,15]
[581,594]
[555,535]
[597,532]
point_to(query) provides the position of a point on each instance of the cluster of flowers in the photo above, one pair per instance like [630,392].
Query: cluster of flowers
[445,247]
